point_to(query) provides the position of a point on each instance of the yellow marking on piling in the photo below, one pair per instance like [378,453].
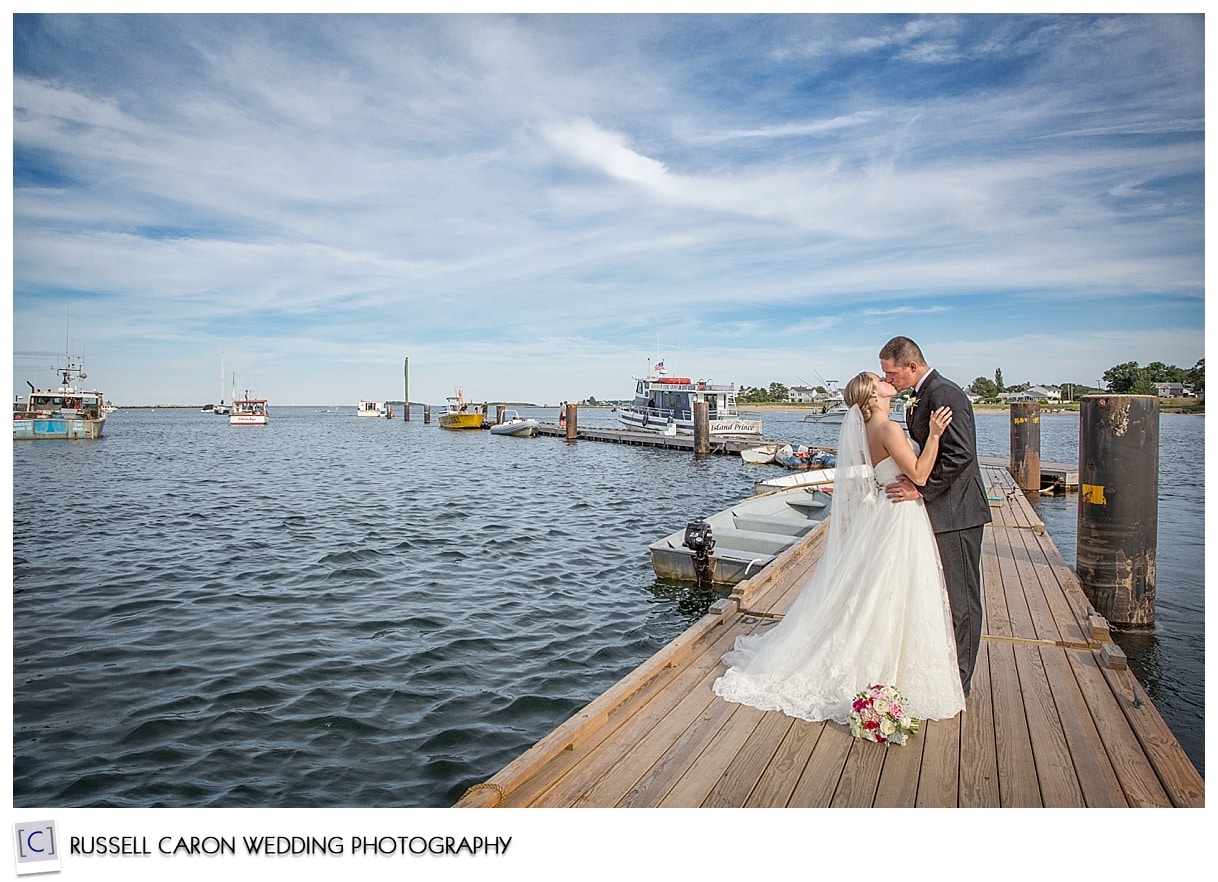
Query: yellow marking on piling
[1094,493]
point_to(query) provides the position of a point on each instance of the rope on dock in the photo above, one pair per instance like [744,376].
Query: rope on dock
[488,785]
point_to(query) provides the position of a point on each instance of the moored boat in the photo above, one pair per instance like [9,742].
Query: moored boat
[372,409]
[829,414]
[67,413]
[249,411]
[665,405]
[759,455]
[742,539]
[837,413]
[804,457]
[459,414]
[222,409]
[516,425]
[822,478]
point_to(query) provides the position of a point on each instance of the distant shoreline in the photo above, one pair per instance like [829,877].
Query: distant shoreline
[1070,407]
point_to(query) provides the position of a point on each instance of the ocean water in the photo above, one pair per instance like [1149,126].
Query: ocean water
[333,611]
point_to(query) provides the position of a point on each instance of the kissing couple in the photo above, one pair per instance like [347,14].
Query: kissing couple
[896,597]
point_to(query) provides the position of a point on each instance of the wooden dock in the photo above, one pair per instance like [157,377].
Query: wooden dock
[1055,717]
[1055,477]
[653,439]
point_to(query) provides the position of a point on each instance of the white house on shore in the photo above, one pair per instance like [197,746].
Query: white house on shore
[1171,390]
[1033,393]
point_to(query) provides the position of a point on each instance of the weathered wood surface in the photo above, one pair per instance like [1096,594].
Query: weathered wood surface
[1047,724]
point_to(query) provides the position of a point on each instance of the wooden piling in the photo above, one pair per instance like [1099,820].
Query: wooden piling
[572,421]
[701,428]
[500,413]
[426,414]
[1025,444]
[406,390]
[1118,509]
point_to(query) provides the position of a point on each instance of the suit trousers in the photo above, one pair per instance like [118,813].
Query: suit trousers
[960,555]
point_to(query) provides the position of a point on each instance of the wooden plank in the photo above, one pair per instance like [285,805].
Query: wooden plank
[898,785]
[940,782]
[1018,612]
[1096,778]
[1059,786]
[1179,776]
[664,773]
[1018,786]
[1139,783]
[994,600]
[1054,616]
[778,780]
[816,784]
[708,768]
[856,786]
[742,777]
[636,744]
[978,786]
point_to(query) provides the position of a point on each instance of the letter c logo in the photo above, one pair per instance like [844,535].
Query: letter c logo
[29,841]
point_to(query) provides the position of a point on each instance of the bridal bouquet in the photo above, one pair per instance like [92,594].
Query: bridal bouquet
[878,714]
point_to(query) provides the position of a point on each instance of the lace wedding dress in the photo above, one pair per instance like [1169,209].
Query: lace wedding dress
[875,610]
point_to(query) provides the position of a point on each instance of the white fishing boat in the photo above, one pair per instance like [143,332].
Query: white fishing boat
[67,413]
[372,409]
[665,405]
[516,425]
[739,542]
[248,411]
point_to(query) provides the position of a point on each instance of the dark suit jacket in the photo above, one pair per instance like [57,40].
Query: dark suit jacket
[955,497]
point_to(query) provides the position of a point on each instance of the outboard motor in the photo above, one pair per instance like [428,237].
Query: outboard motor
[700,539]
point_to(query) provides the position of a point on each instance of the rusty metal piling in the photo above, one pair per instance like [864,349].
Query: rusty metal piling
[1118,507]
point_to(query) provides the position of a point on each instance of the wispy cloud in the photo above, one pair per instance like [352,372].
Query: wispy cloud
[321,196]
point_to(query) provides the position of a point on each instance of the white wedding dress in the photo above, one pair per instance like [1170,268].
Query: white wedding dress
[875,610]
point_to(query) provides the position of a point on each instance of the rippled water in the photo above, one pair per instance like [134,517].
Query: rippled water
[333,611]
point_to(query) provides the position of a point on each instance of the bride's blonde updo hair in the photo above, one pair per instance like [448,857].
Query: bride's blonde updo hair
[859,391]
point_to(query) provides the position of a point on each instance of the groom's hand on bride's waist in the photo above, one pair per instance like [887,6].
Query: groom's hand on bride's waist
[901,490]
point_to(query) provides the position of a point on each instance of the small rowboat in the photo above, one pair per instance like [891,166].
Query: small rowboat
[759,455]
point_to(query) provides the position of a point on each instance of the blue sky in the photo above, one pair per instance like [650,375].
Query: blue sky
[533,207]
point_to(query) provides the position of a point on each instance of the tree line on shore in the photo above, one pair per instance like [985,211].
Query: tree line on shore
[1128,378]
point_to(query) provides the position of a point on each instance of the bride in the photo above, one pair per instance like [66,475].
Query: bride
[875,610]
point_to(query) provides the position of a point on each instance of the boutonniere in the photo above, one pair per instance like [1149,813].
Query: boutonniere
[911,403]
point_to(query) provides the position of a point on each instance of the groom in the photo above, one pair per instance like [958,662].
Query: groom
[954,495]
